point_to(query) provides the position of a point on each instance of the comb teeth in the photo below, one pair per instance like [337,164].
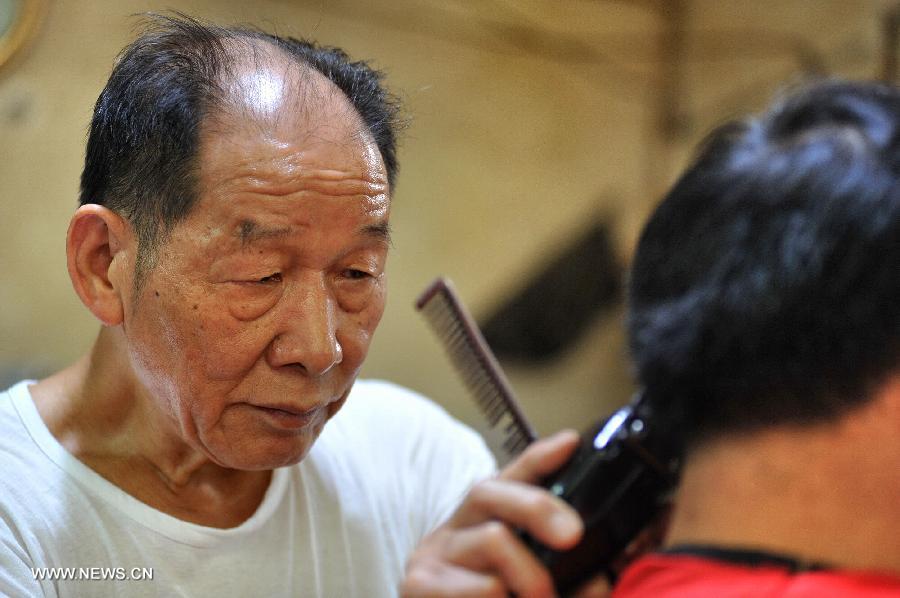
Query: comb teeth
[472,358]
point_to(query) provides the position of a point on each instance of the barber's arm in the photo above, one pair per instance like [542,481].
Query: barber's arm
[477,552]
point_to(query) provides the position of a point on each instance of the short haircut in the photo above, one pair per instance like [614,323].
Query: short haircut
[765,289]
[144,136]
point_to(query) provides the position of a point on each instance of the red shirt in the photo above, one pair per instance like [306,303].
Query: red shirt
[685,576]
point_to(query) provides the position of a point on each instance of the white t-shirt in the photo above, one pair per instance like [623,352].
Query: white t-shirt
[387,469]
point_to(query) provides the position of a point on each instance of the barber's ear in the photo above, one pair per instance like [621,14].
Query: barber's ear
[97,249]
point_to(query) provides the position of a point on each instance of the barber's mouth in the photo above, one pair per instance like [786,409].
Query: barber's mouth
[288,419]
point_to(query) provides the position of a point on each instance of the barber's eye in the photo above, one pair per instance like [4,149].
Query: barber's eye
[271,278]
[356,274]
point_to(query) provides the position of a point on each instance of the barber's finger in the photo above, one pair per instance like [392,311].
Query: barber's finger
[542,458]
[442,581]
[493,547]
[543,515]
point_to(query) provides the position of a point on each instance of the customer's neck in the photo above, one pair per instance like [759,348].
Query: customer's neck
[826,493]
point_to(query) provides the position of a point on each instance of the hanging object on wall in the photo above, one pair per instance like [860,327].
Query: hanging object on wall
[890,34]
[558,304]
[19,21]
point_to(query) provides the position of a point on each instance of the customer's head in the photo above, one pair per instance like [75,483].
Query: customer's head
[766,286]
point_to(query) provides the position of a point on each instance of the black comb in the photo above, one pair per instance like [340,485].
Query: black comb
[474,361]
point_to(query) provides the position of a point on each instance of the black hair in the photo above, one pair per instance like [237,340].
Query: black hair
[765,288]
[143,140]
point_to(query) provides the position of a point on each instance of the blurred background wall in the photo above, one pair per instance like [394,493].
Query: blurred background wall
[533,122]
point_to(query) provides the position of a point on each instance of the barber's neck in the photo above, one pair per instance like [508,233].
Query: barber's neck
[101,414]
[824,493]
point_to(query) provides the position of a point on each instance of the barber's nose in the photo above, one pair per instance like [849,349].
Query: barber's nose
[307,336]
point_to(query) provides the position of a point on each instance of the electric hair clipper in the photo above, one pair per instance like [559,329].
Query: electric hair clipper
[620,481]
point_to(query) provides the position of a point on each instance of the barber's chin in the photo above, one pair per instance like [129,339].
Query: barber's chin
[264,455]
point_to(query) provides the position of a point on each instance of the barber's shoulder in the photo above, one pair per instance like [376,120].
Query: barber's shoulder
[380,409]
[381,399]
[384,391]
[13,432]
[22,463]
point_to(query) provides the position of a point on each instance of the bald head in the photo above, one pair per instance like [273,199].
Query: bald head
[266,88]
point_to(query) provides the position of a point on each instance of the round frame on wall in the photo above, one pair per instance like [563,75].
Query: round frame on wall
[19,21]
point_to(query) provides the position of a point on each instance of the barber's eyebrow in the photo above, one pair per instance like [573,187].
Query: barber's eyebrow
[380,231]
[249,231]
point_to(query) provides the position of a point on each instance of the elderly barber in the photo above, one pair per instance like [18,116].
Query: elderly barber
[232,239]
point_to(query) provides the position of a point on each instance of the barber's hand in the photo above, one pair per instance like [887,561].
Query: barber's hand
[476,553]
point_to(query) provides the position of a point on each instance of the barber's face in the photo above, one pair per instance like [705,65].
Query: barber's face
[254,322]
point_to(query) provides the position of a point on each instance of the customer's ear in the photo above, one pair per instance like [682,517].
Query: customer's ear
[889,395]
